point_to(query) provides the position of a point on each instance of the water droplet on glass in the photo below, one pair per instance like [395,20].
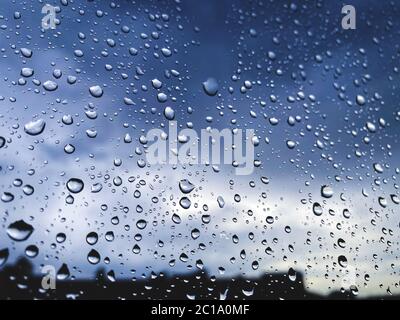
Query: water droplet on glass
[75,185]
[63,273]
[4,253]
[186,186]
[221,202]
[2,142]
[93,257]
[27,72]
[19,230]
[378,168]
[35,127]
[91,238]
[395,199]
[96,91]
[31,251]
[360,100]
[210,86]
[176,219]
[317,209]
[69,148]
[136,249]
[60,237]
[326,191]
[7,197]
[195,233]
[50,85]
[292,274]
[342,260]
[169,113]
[185,202]
[27,53]
[28,189]
[141,224]
[290,144]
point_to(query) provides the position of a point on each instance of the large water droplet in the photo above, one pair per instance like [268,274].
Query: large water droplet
[2,142]
[4,253]
[360,100]
[50,85]
[31,251]
[7,197]
[69,148]
[28,189]
[290,144]
[93,257]
[326,191]
[63,273]
[292,274]
[141,224]
[75,185]
[317,209]
[169,113]
[378,168]
[136,249]
[195,233]
[185,202]
[186,186]
[176,219]
[342,260]
[221,202]
[27,53]
[210,86]
[92,238]
[34,128]
[19,230]
[395,198]
[96,91]
[27,72]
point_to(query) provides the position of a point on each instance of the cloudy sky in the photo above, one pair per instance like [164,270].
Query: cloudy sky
[322,101]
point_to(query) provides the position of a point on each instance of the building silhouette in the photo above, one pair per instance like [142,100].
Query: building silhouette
[19,282]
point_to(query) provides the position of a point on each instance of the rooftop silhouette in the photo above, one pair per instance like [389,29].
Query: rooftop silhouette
[19,282]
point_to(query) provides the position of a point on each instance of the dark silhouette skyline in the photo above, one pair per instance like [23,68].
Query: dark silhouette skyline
[18,282]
